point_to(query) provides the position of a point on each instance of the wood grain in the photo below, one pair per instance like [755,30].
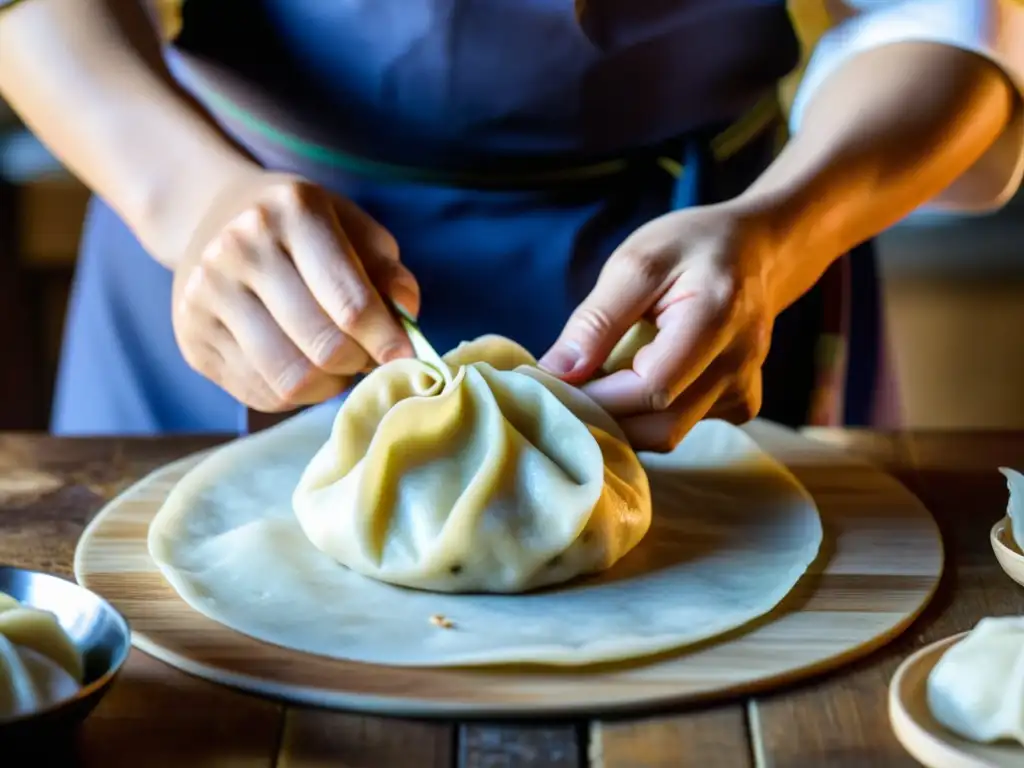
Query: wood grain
[834,721]
[156,716]
[879,566]
[323,739]
[714,738]
[841,720]
[496,746]
[50,487]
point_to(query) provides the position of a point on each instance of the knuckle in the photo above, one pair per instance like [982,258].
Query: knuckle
[217,252]
[288,382]
[353,305]
[296,194]
[325,346]
[255,223]
[761,342]
[638,264]
[193,292]
[651,268]
[228,252]
[590,321]
[722,289]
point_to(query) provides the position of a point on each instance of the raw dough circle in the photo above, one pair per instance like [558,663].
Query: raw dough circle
[733,532]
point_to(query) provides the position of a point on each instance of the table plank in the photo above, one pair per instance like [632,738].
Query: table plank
[155,716]
[494,746]
[715,738]
[841,720]
[322,739]
[51,487]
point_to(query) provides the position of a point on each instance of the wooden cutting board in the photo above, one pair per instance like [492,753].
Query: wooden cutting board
[881,562]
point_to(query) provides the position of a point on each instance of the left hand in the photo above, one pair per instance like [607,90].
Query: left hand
[701,276]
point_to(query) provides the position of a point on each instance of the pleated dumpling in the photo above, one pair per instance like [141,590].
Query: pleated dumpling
[39,665]
[977,688]
[503,479]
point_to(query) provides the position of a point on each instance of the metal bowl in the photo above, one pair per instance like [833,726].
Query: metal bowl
[95,627]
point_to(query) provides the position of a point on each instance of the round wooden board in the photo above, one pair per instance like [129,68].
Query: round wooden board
[880,563]
[921,735]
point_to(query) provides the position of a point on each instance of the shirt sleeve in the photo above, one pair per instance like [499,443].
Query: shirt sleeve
[992,28]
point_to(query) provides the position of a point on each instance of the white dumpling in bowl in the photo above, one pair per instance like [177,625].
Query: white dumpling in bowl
[504,479]
[39,665]
[977,688]
[1015,506]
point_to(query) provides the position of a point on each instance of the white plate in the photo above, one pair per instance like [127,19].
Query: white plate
[921,735]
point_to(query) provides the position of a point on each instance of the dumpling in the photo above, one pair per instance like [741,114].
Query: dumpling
[1015,507]
[39,664]
[639,335]
[977,688]
[502,479]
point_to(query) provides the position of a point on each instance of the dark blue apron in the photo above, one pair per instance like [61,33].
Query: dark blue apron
[509,146]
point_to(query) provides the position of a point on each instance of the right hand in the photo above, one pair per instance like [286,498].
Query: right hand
[279,298]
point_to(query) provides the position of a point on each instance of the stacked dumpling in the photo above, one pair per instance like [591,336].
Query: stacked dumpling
[39,664]
[488,476]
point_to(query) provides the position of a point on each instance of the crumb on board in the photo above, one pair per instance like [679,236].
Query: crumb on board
[441,621]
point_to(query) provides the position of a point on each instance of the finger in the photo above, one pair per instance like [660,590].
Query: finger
[741,403]
[717,394]
[329,265]
[378,252]
[272,355]
[691,334]
[225,365]
[662,432]
[627,287]
[281,290]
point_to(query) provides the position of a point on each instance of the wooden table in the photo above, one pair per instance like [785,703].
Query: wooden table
[155,716]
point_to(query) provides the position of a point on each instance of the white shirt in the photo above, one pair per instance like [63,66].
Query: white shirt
[991,28]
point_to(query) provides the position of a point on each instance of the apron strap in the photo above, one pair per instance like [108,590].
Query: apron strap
[510,173]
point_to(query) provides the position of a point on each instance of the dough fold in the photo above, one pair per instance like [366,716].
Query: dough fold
[503,479]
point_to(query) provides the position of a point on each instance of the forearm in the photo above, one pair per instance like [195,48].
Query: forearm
[893,128]
[87,77]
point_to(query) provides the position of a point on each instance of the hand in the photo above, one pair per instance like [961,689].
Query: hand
[700,276]
[279,298]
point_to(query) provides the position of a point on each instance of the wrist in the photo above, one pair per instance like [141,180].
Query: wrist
[171,206]
[788,247]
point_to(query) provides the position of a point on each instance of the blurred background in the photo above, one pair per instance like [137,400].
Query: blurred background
[954,293]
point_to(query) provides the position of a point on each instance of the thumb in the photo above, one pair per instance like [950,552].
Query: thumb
[622,296]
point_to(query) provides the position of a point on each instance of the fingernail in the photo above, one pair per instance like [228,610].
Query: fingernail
[405,291]
[562,359]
